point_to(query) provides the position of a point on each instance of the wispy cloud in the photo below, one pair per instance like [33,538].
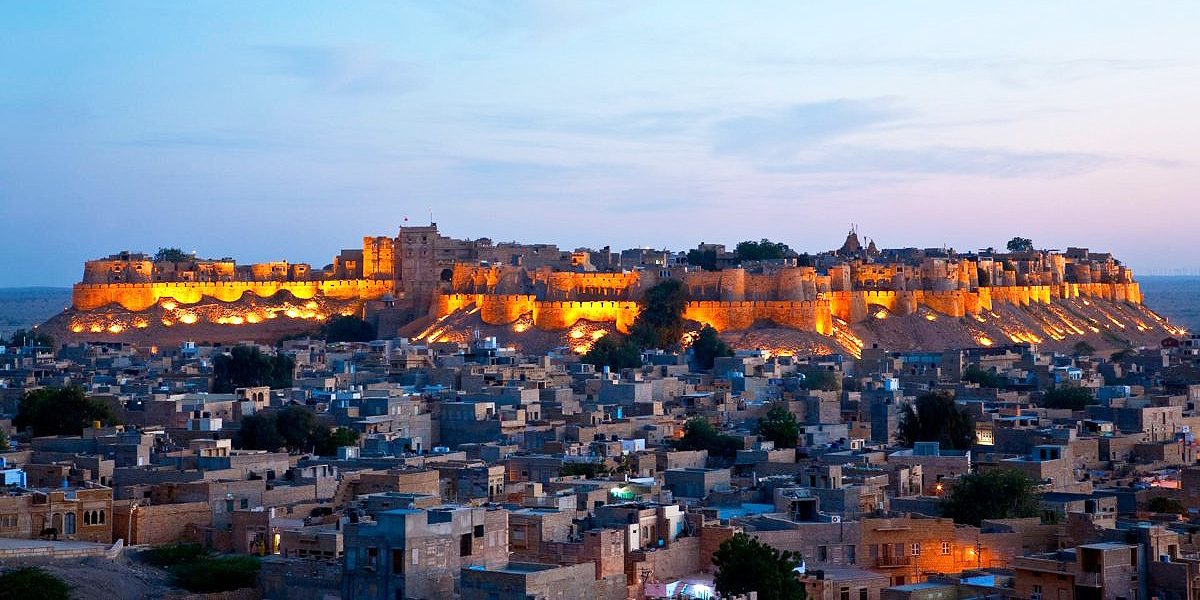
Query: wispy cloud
[1009,71]
[345,69]
[987,162]
[221,140]
[786,132]
[526,18]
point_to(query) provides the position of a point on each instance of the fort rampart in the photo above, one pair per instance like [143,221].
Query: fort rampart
[804,315]
[140,296]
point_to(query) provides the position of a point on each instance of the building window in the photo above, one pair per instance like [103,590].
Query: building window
[245,503]
[464,545]
[69,524]
[851,554]
[87,518]
[398,560]
[862,593]
[915,549]
[102,516]
[822,553]
[372,557]
[945,548]
[845,595]
[478,531]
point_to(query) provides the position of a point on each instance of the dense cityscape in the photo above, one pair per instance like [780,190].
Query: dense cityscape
[599,300]
[630,445]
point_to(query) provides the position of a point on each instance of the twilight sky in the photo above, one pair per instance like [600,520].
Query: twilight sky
[290,129]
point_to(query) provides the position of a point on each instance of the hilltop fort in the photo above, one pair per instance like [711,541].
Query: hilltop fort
[421,283]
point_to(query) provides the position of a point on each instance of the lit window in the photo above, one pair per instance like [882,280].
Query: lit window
[916,549]
[945,548]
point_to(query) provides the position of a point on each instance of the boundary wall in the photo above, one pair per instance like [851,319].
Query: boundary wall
[804,315]
[140,296]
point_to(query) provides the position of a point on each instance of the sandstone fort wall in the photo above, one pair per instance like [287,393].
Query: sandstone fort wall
[140,296]
[804,315]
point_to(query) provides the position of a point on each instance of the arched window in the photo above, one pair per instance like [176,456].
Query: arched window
[102,516]
[69,523]
[87,518]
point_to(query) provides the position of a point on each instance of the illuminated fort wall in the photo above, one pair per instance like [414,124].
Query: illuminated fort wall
[804,315]
[140,296]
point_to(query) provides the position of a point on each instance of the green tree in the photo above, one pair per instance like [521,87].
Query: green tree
[258,432]
[745,564]
[588,470]
[3,441]
[936,417]
[347,328]
[1083,349]
[1020,244]
[614,351]
[708,346]
[32,583]
[779,426]
[705,259]
[195,570]
[699,434]
[247,366]
[761,250]
[1163,504]
[1074,398]
[983,378]
[327,441]
[995,494]
[804,260]
[59,411]
[172,255]
[21,338]
[298,426]
[659,323]
[820,379]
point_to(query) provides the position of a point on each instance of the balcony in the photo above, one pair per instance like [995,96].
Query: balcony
[893,561]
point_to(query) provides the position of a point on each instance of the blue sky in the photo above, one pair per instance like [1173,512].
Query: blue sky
[288,130]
